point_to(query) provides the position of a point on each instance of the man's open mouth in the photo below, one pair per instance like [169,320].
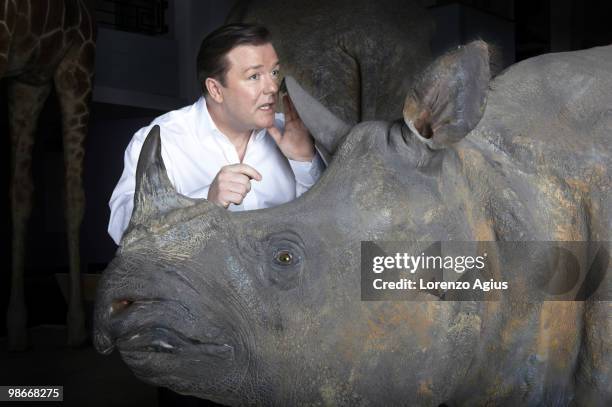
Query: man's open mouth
[267,106]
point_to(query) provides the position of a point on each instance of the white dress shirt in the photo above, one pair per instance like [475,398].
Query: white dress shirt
[194,150]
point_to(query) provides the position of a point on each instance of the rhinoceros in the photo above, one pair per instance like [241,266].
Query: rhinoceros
[263,307]
[357,57]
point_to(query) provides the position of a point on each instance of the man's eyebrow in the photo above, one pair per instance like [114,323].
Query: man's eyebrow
[260,66]
[253,67]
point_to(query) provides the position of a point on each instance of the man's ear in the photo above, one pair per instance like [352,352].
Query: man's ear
[213,87]
[449,99]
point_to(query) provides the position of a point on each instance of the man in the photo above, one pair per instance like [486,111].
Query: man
[229,147]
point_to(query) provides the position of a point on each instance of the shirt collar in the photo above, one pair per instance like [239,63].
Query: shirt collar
[207,124]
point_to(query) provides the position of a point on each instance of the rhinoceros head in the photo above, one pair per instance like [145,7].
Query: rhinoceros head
[263,307]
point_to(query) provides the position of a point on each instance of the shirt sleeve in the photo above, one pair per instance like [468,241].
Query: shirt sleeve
[306,173]
[122,200]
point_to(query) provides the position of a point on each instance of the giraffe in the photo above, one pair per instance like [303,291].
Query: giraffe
[45,43]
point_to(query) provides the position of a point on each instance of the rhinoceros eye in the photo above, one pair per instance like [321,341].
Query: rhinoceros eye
[284,257]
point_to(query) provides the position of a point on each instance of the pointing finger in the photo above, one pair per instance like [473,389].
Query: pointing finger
[246,170]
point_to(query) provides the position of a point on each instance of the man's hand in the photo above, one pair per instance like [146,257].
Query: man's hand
[231,184]
[295,143]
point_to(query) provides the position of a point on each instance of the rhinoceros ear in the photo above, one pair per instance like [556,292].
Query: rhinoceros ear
[154,194]
[449,99]
[325,128]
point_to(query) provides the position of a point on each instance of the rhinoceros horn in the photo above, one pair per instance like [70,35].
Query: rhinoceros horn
[325,128]
[449,99]
[154,195]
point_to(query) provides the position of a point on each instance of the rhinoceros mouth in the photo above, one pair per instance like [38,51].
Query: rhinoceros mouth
[160,339]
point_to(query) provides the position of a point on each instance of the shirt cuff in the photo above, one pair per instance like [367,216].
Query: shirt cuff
[307,172]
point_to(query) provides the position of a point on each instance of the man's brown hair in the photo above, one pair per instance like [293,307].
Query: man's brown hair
[212,63]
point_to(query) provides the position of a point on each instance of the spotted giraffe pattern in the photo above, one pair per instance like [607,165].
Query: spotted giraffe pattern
[45,43]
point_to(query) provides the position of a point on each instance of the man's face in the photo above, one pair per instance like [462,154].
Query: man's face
[251,87]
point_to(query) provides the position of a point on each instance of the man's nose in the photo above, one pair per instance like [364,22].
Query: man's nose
[271,84]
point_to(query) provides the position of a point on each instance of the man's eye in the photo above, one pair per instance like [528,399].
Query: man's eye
[284,257]
[255,76]
[276,72]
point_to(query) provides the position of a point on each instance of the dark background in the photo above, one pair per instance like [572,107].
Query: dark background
[144,71]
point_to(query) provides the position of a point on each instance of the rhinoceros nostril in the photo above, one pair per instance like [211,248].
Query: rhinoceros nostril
[103,343]
[119,305]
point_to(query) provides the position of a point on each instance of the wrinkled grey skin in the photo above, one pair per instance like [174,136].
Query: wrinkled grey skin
[357,57]
[198,300]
